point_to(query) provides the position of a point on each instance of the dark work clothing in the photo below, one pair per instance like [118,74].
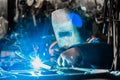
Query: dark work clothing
[97,54]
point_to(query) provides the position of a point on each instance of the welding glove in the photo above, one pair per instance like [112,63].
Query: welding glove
[69,57]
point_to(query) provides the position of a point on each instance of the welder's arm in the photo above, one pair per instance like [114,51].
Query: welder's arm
[93,54]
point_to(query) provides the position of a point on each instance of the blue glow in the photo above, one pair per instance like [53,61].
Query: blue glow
[26,35]
[75,19]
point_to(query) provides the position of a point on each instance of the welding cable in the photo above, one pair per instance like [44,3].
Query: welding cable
[51,46]
[90,40]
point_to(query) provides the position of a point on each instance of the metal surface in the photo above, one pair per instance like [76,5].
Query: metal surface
[58,72]
[61,73]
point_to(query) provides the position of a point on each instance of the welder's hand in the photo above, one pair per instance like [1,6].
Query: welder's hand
[68,57]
